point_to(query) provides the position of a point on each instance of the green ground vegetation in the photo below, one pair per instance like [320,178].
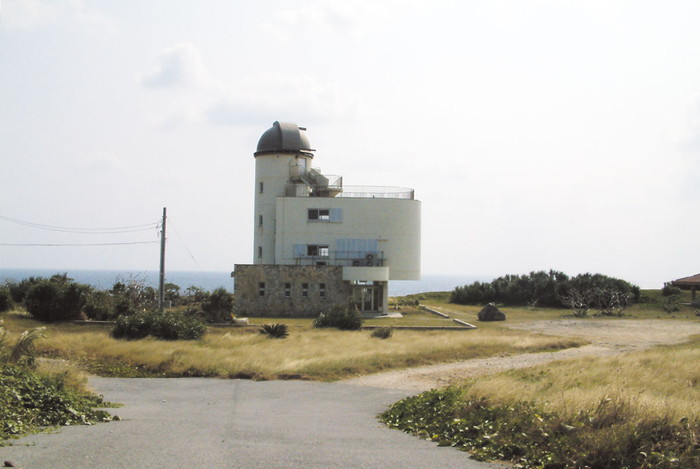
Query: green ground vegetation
[35,396]
[637,410]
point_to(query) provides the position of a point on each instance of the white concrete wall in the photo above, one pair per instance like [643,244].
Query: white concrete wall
[396,223]
[273,170]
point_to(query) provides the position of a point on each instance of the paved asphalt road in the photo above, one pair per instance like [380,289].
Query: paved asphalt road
[212,423]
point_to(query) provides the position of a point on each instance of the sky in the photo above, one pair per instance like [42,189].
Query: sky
[538,134]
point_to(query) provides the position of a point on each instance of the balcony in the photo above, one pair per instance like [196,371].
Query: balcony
[342,258]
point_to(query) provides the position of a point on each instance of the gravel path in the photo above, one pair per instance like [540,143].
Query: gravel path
[607,337]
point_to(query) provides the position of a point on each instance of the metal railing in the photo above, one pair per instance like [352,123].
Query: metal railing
[345,259]
[377,192]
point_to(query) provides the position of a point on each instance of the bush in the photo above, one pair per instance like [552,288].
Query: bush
[218,306]
[608,436]
[274,331]
[170,325]
[552,289]
[382,333]
[670,304]
[58,298]
[30,402]
[100,306]
[669,290]
[133,295]
[6,303]
[18,290]
[342,318]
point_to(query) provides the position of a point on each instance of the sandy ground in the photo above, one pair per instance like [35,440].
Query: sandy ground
[607,337]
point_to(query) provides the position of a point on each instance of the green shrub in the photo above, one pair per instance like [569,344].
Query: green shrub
[275,331]
[218,306]
[6,303]
[342,318]
[170,325]
[58,298]
[550,289]
[30,402]
[528,436]
[100,306]
[382,332]
[18,290]
[669,290]
[671,304]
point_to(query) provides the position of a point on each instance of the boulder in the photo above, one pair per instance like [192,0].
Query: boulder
[491,313]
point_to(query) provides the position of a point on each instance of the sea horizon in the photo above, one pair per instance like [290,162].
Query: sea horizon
[104,279]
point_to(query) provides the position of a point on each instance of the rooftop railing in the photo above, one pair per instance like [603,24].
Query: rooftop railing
[377,192]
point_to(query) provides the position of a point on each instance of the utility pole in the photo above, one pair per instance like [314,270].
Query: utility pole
[161,283]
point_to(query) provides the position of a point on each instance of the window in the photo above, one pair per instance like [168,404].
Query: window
[259,252]
[261,187]
[319,214]
[304,290]
[325,214]
[261,289]
[287,290]
[321,290]
[317,250]
[260,220]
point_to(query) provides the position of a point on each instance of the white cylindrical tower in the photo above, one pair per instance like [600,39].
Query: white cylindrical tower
[281,162]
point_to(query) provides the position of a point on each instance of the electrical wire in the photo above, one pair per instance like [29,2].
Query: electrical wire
[170,225]
[78,244]
[63,229]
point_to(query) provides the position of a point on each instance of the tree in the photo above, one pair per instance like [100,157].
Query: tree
[58,298]
[172,293]
[578,302]
[218,306]
[133,295]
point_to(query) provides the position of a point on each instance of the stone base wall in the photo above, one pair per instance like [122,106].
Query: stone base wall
[278,301]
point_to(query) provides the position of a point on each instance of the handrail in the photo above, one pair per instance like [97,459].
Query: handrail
[377,192]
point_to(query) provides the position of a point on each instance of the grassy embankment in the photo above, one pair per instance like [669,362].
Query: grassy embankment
[639,409]
[308,353]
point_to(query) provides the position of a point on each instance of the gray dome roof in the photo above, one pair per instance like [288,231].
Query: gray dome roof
[284,137]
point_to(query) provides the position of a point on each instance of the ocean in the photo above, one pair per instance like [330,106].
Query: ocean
[207,280]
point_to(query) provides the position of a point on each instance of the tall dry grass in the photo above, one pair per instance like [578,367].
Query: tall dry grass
[663,381]
[320,354]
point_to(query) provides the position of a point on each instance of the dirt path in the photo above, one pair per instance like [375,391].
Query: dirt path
[607,337]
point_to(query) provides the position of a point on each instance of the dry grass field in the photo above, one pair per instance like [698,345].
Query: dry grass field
[308,353]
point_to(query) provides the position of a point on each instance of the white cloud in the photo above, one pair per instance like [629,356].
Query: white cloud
[269,98]
[343,17]
[194,96]
[29,14]
[180,65]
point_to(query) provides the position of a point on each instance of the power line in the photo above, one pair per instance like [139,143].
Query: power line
[184,245]
[78,244]
[64,229]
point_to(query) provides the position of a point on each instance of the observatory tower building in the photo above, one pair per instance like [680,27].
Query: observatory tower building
[318,243]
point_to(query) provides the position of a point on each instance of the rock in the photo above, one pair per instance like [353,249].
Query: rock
[491,313]
[9,464]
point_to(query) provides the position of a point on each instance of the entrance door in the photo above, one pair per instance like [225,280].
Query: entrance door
[367,298]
